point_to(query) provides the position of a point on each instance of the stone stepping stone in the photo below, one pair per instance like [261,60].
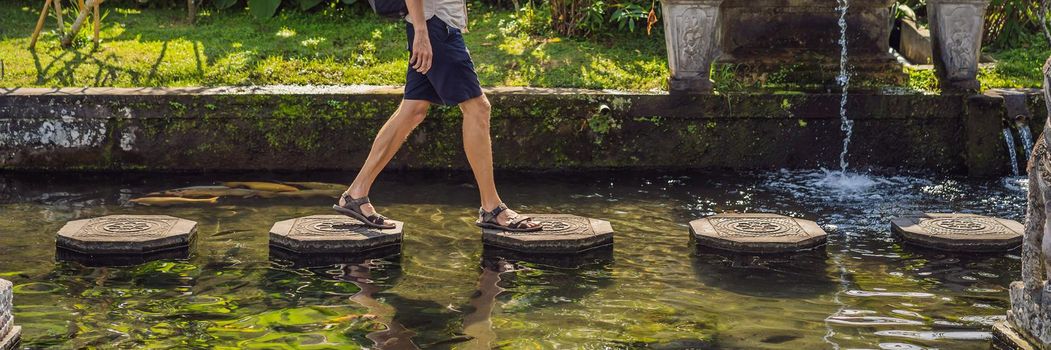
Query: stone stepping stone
[10,334]
[757,233]
[127,235]
[561,234]
[959,232]
[331,234]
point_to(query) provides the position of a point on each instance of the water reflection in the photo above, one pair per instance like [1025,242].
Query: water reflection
[658,292]
[395,336]
[803,274]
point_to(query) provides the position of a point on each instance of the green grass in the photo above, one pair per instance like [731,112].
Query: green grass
[1019,67]
[155,47]
[341,45]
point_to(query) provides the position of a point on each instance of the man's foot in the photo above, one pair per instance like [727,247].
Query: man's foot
[502,218]
[366,209]
[505,217]
[354,207]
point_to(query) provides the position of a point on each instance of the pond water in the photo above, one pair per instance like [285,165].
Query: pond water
[653,289]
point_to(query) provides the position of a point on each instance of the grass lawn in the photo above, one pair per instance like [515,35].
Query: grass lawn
[340,45]
[155,47]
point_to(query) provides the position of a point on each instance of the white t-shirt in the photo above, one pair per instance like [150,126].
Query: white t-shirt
[452,12]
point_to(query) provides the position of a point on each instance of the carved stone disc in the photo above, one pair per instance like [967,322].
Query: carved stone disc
[126,234]
[757,233]
[560,234]
[331,234]
[959,232]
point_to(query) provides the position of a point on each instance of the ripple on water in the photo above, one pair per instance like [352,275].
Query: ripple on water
[871,321]
[863,293]
[930,335]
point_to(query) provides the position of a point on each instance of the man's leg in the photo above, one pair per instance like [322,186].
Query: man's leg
[389,139]
[479,148]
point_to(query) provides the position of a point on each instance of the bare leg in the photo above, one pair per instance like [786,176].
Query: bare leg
[389,139]
[479,148]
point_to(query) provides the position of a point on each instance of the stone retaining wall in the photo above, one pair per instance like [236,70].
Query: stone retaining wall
[288,128]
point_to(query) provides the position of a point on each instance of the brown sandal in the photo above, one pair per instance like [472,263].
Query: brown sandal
[352,208]
[517,223]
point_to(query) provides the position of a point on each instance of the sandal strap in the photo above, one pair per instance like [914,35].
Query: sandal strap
[355,202]
[490,216]
[518,221]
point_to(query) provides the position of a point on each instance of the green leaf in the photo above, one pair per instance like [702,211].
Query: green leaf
[308,4]
[349,2]
[263,9]
[224,4]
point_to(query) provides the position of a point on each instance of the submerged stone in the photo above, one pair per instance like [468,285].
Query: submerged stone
[597,256]
[305,260]
[959,232]
[10,335]
[126,235]
[110,260]
[561,234]
[331,234]
[757,233]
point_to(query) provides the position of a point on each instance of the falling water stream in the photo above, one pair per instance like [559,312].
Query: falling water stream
[843,180]
[844,82]
[1027,139]
[1010,140]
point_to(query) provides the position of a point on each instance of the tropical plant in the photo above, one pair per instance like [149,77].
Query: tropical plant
[587,17]
[1010,21]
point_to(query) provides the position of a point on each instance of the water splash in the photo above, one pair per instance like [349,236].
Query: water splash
[1010,140]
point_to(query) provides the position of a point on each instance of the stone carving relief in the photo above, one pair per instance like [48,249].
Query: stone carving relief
[695,24]
[962,31]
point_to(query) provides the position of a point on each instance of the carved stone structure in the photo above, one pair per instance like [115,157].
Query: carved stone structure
[1028,323]
[331,234]
[956,37]
[690,31]
[796,42]
[561,234]
[757,233]
[959,232]
[10,334]
[127,235]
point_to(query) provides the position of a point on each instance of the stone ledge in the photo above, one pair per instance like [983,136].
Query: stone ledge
[307,128]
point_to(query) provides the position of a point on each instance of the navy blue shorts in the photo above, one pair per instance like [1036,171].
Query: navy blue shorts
[451,79]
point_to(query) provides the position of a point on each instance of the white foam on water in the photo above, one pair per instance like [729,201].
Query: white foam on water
[1016,183]
[845,181]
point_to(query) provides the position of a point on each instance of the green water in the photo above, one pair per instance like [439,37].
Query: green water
[654,289]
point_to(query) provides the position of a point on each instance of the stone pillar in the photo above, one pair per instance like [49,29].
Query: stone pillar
[956,35]
[1028,323]
[690,30]
[9,333]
